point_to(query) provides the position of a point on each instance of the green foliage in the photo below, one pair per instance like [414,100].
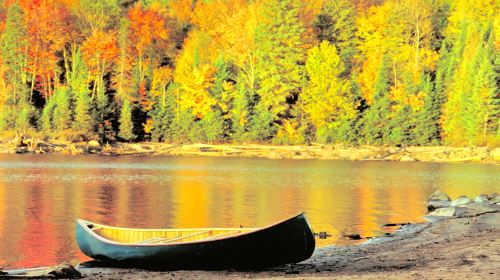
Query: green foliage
[375,122]
[327,99]
[240,113]
[46,120]
[280,71]
[13,50]
[83,122]
[427,127]
[163,115]
[61,118]
[126,124]
[337,24]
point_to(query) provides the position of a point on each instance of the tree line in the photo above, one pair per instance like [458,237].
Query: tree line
[378,72]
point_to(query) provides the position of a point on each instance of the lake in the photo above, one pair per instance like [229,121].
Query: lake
[42,195]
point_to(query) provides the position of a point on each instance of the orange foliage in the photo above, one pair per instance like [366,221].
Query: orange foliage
[182,10]
[146,27]
[100,51]
[48,28]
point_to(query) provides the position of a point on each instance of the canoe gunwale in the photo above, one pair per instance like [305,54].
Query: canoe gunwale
[84,224]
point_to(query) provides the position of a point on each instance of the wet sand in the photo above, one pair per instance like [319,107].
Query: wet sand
[452,248]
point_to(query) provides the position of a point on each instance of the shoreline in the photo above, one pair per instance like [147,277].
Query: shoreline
[460,247]
[443,154]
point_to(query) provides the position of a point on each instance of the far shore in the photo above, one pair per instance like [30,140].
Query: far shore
[300,152]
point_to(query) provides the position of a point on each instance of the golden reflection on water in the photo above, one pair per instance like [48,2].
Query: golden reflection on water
[41,196]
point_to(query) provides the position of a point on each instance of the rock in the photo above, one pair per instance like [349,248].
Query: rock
[438,195]
[481,198]
[407,159]
[93,144]
[443,212]
[461,201]
[435,204]
[471,210]
[491,196]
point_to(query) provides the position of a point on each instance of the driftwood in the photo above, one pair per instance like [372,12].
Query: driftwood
[62,271]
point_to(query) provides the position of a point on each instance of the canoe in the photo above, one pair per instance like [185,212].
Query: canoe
[287,241]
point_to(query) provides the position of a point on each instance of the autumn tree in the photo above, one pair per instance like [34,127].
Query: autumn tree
[48,28]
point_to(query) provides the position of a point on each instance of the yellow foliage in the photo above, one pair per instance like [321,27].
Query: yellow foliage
[289,133]
[401,30]
[194,94]
[476,11]
[161,77]
[231,26]
[148,126]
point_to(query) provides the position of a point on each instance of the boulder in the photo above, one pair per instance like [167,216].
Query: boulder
[494,200]
[481,198]
[462,200]
[438,195]
[443,212]
[435,204]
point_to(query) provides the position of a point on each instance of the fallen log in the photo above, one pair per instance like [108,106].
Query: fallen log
[62,271]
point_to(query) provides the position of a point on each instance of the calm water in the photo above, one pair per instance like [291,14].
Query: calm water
[41,196]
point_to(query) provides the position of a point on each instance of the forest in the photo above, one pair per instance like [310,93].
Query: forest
[375,72]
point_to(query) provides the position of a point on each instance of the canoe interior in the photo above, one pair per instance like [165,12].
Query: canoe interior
[164,236]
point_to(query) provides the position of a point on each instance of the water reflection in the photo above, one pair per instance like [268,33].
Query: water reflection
[41,196]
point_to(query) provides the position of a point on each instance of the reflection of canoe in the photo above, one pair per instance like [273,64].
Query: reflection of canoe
[288,241]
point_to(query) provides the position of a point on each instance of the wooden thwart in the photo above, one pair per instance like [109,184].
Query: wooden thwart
[172,239]
[164,240]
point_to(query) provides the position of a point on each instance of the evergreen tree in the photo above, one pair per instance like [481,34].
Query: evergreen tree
[163,115]
[216,124]
[14,49]
[83,122]
[126,124]
[482,109]
[336,24]
[61,118]
[280,71]
[240,113]
[46,120]
[375,122]
[16,111]
[427,127]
